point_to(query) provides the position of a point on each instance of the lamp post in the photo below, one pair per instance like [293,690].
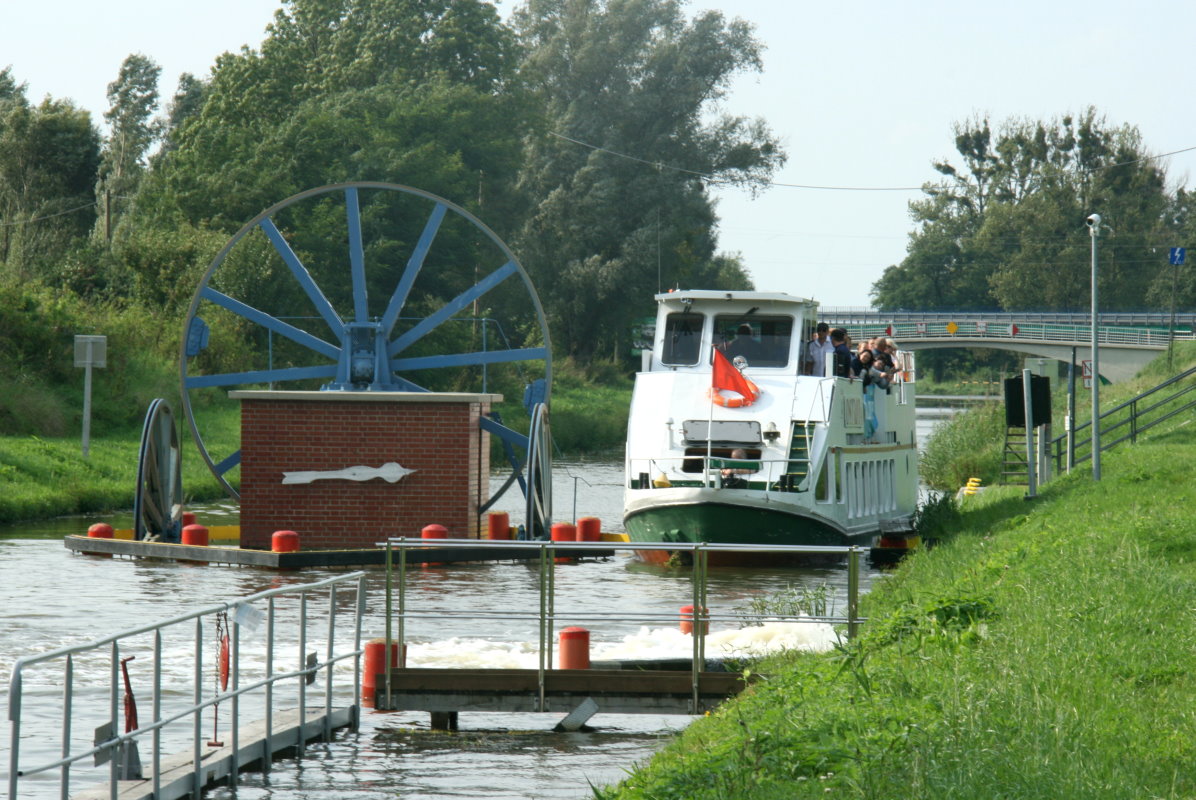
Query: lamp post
[1093,223]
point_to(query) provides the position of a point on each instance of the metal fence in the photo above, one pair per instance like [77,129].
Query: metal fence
[546,616]
[71,678]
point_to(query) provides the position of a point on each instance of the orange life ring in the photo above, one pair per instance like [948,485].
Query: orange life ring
[735,402]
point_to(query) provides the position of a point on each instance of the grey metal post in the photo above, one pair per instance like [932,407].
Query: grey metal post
[1071,411]
[1031,454]
[853,592]
[1094,231]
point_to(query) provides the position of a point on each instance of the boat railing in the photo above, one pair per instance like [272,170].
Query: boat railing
[765,474]
[547,616]
[70,682]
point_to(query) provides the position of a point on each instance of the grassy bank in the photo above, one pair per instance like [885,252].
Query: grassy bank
[972,444]
[1041,650]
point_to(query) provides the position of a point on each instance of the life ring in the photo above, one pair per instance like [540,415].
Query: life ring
[735,402]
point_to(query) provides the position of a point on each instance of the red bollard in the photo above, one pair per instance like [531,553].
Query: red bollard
[575,648]
[687,620]
[375,664]
[434,531]
[284,542]
[589,529]
[498,525]
[196,535]
[101,530]
[188,518]
[563,532]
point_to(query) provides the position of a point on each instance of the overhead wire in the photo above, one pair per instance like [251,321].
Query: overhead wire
[717,179]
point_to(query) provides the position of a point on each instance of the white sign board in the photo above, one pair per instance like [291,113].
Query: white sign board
[91,351]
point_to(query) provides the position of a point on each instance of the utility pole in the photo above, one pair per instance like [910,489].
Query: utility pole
[1093,223]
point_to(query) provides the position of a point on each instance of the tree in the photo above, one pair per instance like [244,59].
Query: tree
[49,155]
[1006,229]
[133,99]
[617,169]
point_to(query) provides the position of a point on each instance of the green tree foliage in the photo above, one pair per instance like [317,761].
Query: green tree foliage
[133,100]
[619,78]
[1004,229]
[49,156]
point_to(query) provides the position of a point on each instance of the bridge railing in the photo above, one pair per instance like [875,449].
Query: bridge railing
[1036,332]
[844,316]
[1126,421]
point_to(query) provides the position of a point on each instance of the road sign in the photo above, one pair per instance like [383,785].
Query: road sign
[1177,255]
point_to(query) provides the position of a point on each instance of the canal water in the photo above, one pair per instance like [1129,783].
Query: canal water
[53,599]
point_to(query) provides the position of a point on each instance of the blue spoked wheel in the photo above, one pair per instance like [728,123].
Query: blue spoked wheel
[363,287]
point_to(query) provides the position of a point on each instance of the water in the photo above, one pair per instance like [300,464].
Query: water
[54,598]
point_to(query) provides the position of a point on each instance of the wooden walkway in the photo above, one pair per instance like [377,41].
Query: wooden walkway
[234,556]
[178,777]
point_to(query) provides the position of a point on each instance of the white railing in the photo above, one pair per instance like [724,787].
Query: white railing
[37,682]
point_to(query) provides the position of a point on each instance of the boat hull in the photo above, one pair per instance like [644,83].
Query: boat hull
[725,521]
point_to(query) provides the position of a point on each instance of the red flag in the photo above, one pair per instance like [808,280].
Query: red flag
[727,377]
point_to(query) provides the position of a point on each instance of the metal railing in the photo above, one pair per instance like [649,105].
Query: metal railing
[119,749]
[1055,333]
[1126,421]
[546,616]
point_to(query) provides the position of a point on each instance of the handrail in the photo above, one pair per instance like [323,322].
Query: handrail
[547,616]
[118,743]
[1133,420]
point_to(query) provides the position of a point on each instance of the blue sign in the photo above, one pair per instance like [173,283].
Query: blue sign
[1177,255]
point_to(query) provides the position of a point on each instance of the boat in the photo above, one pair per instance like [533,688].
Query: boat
[787,459]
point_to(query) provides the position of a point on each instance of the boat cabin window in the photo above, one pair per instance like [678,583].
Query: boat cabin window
[682,339]
[762,340]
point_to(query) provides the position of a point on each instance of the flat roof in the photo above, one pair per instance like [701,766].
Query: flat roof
[334,396]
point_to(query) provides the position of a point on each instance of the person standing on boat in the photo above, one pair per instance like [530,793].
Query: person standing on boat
[842,360]
[817,349]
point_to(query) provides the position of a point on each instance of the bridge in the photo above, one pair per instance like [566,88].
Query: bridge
[1128,340]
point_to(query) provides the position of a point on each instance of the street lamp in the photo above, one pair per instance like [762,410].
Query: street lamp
[1093,223]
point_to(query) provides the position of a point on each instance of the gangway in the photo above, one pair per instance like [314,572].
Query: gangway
[83,682]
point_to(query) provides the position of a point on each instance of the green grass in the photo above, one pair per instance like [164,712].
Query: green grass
[970,445]
[43,477]
[1041,650]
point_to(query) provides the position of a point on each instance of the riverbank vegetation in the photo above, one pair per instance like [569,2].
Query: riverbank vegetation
[1038,651]
[971,445]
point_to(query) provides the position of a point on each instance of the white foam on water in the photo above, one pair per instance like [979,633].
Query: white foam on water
[645,644]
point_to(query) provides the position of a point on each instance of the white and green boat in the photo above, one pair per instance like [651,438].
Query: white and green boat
[807,461]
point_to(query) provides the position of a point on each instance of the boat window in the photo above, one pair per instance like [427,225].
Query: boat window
[682,339]
[761,339]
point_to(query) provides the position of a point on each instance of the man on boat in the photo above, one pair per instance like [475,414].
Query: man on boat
[842,362]
[817,349]
[730,475]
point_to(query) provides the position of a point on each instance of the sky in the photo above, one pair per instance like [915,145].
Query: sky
[862,95]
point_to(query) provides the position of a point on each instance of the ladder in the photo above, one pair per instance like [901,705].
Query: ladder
[1014,469]
[799,460]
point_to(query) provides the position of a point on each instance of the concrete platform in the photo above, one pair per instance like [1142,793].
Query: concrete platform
[178,776]
[234,556]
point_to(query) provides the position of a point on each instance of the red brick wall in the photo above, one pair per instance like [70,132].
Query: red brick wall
[441,441]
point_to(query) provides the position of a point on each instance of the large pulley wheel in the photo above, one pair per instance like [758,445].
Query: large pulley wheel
[538,493]
[360,287]
[158,502]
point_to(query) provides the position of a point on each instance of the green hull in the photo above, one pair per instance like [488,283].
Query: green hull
[726,523]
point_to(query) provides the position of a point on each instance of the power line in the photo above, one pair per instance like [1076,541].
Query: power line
[716,179]
[48,216]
